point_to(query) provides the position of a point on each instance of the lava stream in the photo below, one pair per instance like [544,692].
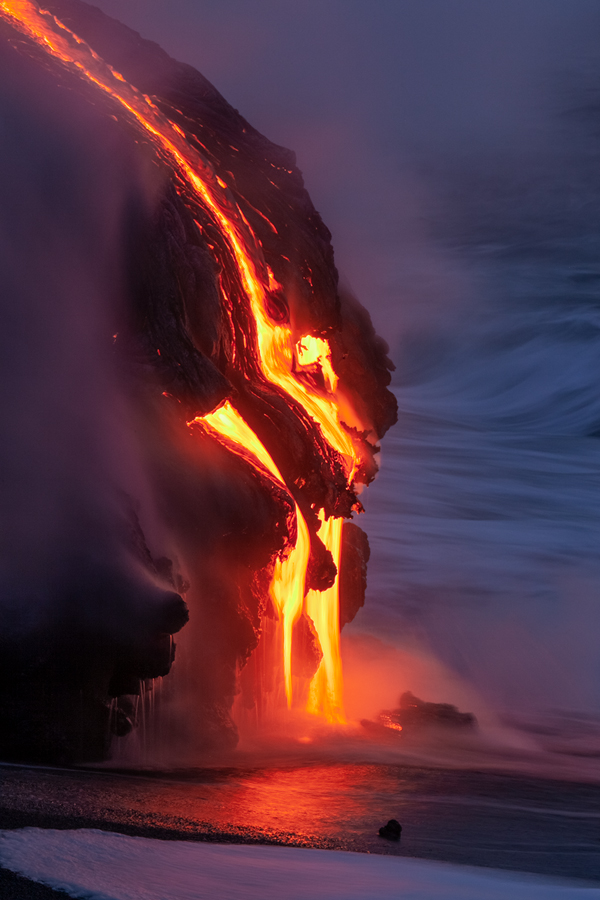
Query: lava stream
[279,353]
[288,584]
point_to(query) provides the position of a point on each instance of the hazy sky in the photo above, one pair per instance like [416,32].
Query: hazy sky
[364,90]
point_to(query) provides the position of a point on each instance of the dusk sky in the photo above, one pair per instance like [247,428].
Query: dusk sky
[369,91]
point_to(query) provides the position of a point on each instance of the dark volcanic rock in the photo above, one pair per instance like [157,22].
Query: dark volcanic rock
[391,831]
[177,338]
[353,571]
[306,651]
[414,715]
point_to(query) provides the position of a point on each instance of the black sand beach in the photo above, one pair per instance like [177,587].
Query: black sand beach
[489,819]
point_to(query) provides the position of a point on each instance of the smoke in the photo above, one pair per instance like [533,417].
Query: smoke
[448,148]
[70,457]
[376,673]
[57,273]
[103,499]
[420,129]
[381,102]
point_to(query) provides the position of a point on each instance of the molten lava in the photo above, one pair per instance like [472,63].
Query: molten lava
[287,586]
[325,693]
[299,365]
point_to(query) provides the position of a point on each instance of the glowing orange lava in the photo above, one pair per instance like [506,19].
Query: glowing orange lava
[281,357]
[287,586]
[325,692]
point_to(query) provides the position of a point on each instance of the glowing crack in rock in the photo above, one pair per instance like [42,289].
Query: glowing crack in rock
[283,359]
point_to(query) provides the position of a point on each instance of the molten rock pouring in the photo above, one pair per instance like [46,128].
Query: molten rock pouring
[251,393]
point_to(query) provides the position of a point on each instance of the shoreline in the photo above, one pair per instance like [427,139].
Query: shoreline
[499,821]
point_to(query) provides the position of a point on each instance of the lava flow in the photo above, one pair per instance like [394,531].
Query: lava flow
[299,366]
[287,586]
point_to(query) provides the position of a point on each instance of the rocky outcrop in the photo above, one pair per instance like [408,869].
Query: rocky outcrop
[182,340]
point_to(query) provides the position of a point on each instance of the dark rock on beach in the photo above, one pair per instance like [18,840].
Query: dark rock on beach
[391,831]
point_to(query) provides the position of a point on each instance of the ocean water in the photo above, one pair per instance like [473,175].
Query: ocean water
[484,521]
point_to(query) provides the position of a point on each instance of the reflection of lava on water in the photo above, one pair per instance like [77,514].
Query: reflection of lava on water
[257,394]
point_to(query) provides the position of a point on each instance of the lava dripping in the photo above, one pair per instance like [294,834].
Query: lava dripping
[297,364]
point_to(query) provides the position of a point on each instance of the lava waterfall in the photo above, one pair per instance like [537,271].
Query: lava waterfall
[194,403]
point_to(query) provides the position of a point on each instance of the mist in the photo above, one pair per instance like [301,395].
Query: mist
[65,452]
[379,99]
[452,149]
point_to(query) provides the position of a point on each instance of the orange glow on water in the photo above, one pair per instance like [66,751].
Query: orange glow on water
[283,359]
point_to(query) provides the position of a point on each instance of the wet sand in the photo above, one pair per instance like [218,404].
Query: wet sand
[489,819]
